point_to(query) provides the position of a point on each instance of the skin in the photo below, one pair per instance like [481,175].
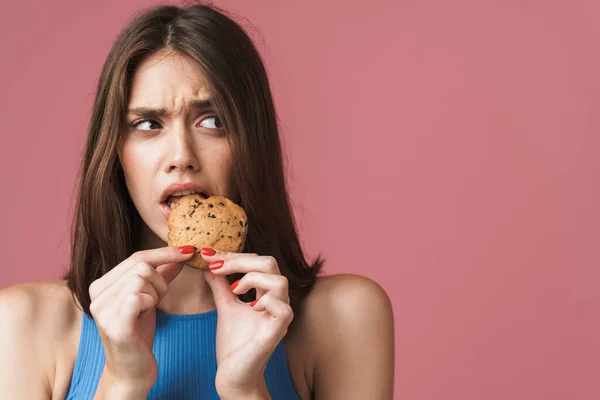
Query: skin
[183,146]
[350,356]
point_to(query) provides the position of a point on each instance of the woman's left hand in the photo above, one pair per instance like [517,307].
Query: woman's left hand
[247,334]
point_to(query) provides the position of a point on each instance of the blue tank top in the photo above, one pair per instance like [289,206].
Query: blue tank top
[184,347]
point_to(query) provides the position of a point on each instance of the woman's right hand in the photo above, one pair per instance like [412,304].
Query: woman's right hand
[124,304]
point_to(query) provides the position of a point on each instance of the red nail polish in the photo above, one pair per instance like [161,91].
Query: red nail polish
[187,249]
[208,251]
[254,303]
[215,265]
[235,284]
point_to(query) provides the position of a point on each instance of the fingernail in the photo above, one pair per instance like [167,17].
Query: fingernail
[208,251]
[215,265]
[235,284]
[187,249]
[254,303]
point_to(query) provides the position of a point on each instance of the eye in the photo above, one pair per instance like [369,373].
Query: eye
[211,122]
[146,125]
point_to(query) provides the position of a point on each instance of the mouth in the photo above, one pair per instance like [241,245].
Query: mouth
[174,198]
[174,192]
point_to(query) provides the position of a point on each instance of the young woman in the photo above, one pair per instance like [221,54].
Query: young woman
[183,103]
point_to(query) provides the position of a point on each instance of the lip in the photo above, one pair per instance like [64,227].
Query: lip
[179,187]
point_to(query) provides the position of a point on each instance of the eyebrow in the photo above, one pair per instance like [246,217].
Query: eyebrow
[149,112]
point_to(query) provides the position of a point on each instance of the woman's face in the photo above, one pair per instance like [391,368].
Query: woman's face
[173,140]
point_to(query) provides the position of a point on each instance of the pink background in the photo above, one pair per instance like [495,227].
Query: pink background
[447,150]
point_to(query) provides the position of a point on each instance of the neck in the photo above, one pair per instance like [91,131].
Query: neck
[189,293]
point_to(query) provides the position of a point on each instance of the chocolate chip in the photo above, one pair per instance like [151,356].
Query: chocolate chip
[211,215]
[241,224]
[208,233]
[210,205]
[187,228]
[239,234]
[222,204]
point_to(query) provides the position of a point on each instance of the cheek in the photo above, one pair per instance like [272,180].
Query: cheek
[127,161]
[134,163]
[225,165]
[225,162]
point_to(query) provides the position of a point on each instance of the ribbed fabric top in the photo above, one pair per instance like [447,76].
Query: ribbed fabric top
[184,347]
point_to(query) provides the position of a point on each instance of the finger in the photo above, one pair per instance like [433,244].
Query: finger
[209,254]
[154,278]
[169,271]
[276,285]
[110,303]
[143,270]
[166,255]
[220,289]
[134,283]
[282,312]
[223,263]
[153,257]
[134,304]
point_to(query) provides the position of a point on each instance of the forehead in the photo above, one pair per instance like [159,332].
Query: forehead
[167,80]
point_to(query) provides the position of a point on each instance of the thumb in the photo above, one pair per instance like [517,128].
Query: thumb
[220,289]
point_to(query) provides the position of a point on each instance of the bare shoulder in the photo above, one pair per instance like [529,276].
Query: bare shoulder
[348,284]
[351,298]
[41,304]
[36,319]
[349,321]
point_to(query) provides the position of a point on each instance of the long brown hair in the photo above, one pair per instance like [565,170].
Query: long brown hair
[106,223]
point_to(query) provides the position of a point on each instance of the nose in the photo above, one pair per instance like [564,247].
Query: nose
[181,152]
